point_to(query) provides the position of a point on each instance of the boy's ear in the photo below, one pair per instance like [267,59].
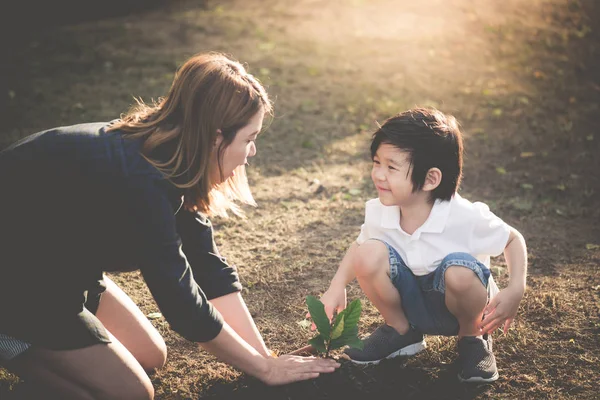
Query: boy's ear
[432,179]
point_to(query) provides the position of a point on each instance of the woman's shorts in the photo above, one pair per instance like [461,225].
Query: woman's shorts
[78,330]
[423,297]
[11,347]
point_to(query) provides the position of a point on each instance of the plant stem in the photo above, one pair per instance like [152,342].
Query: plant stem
[331,325]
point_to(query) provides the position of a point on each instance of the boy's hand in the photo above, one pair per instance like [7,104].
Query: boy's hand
[333,300]
[501,310]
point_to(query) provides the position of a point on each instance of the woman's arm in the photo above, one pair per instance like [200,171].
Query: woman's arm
[218,280]
[235,313]
[229,347]
[187,309]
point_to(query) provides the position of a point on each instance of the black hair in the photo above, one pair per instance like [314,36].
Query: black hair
[432,139]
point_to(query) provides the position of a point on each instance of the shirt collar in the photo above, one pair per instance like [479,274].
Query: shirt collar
[435,223]
[390,217]
[438,217]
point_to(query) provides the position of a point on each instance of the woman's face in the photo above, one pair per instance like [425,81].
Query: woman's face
[241,148]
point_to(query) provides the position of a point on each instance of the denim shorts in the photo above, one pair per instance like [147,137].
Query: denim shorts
[423,297]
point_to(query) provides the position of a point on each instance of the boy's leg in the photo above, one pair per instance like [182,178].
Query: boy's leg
[397,337]
[373,275]
[464,281]
[466,298]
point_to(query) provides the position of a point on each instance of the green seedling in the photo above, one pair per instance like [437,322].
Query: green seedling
[341,331]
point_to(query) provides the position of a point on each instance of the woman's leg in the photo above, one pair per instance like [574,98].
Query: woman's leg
[233,309]
[372,267]
[101,371]
[122,317]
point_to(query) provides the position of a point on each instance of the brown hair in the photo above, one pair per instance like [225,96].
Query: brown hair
[210,92]
[433,140]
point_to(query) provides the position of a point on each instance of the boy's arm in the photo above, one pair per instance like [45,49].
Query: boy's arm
[515,255]
[345,272]
[502,309]
[335,297]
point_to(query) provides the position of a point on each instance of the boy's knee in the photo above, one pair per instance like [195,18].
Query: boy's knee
[371,256]
[461,279]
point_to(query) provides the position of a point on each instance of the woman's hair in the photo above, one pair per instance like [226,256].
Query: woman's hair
[432,139]
[210,92]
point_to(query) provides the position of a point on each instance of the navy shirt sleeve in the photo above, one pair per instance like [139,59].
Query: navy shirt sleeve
[164,265]
[212,272]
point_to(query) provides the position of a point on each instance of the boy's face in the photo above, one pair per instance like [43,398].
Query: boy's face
[391,175]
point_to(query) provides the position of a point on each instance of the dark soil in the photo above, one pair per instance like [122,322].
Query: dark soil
[522,77]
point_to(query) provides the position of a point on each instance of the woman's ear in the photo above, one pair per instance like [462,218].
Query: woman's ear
[432,179]
[219,138]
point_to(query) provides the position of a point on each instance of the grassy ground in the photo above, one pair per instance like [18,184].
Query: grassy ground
[521,76]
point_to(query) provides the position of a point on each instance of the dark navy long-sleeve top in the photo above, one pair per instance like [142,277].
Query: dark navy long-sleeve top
[101,206]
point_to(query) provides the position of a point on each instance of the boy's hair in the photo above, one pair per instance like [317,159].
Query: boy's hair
[432,140]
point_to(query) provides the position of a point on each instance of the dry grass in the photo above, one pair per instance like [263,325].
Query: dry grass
[521,76]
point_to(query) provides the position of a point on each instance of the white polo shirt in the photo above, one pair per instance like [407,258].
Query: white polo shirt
[452,226]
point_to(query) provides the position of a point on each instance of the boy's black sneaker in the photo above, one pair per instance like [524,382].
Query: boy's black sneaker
[476,360]
[386,342]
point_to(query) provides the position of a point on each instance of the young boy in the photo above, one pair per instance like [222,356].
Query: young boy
[422,256]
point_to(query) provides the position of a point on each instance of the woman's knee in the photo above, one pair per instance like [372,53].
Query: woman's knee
[124,321]
[371,257]
[150,351]
[135,391]
[154,357]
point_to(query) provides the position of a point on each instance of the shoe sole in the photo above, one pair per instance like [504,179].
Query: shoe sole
[478,379]
[409,350]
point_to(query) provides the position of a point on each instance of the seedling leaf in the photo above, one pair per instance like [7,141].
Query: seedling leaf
[317,313]
[347,335]
[336,344]
[352,313]
[338,328]
[318,343]
[349,332]
[356,343]
[345,326]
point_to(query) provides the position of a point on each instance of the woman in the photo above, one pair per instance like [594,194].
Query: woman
[82,200]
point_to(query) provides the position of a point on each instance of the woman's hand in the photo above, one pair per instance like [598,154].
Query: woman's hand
[502,309]
[229,347]
[334,299]
[288,368]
